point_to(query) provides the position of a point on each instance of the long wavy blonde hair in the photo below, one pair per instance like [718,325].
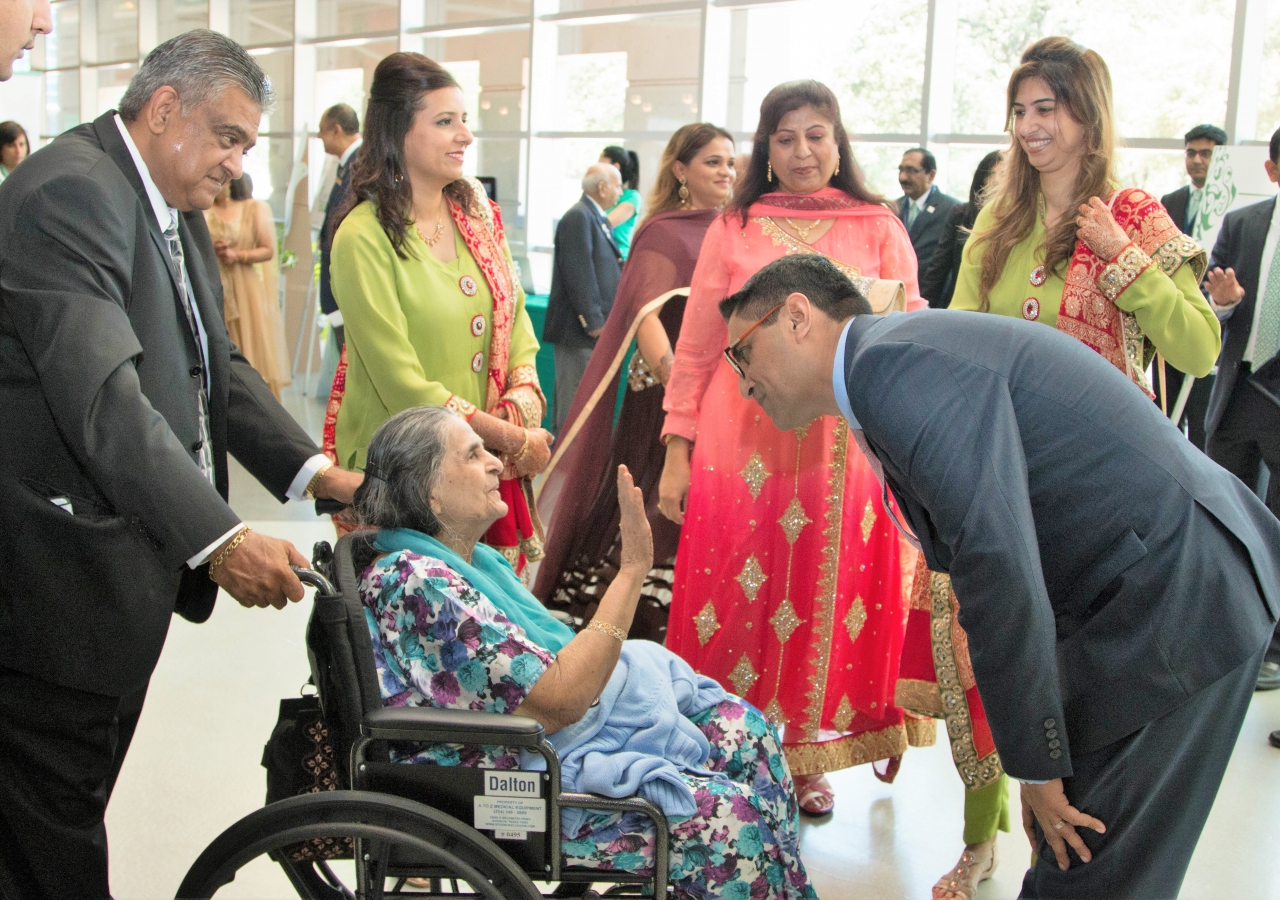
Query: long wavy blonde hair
[1081,85]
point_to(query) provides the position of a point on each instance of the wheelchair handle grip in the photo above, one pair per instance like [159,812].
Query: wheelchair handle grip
[329,507]
[316,580]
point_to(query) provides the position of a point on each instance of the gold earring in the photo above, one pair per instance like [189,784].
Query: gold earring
[770,172]
[837,171]
[683,194]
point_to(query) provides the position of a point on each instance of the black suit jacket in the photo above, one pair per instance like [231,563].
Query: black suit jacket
[938,281]
[1239,246]
[337,200]
[1175,204]
[584,277]
[99,381]
[1106,569]
[926,231]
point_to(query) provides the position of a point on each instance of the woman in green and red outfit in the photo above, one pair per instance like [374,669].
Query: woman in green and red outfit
[430,297]
[1059,243]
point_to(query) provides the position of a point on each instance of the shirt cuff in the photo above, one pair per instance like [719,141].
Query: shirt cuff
[1223,312]
[298,489]
[680,425]
[1029,781]
[335,319]
[200,558]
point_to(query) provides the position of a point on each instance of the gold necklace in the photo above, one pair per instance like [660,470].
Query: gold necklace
[435,236]
[802,232]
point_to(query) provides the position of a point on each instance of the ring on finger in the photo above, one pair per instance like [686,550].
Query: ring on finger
[1059,825]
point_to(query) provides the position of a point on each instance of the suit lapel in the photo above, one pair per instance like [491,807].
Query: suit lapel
[602,222]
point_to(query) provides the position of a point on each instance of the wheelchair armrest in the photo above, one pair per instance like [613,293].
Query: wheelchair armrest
[452,726]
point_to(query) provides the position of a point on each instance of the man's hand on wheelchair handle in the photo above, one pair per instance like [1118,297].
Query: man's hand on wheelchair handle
[257,572]
[338,484]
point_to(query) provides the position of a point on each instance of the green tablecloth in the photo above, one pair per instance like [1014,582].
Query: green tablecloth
[536,306]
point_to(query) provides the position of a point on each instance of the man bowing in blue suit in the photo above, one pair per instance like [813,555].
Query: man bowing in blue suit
[1118,588]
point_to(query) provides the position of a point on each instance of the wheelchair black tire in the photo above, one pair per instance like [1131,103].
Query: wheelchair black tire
[453,845]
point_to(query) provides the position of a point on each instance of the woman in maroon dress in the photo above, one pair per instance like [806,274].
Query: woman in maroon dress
[693,184]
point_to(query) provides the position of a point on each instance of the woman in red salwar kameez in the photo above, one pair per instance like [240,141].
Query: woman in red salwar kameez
[788,580]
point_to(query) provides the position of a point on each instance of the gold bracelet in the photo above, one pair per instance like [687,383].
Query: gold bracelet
[310,492]
[236,540]
[605,628]
[524,450]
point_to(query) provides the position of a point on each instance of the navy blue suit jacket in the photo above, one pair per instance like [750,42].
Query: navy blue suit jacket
[584,277]
[337,200]
[1106,569]
[926,230]
[1239,246]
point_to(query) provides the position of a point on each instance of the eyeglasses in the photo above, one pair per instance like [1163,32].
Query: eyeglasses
[730,352]
[909,170]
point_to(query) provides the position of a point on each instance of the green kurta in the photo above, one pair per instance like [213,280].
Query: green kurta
[1172,312]
[411,329]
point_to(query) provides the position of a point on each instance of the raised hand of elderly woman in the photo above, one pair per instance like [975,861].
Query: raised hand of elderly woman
[637,536]
[1100,231]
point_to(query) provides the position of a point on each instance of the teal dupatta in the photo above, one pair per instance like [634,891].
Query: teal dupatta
[491,575]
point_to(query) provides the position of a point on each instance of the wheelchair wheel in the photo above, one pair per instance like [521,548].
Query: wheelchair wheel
[384,829]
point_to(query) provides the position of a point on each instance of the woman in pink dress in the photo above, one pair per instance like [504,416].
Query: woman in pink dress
[788,580]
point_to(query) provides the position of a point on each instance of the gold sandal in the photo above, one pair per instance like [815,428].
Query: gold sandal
[963,881]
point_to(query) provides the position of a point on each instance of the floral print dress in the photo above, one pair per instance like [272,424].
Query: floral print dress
[437,641]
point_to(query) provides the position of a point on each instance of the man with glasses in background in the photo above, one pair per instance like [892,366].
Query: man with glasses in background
[922,207]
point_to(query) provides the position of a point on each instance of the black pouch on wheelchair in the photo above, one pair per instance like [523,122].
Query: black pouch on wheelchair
[300,758]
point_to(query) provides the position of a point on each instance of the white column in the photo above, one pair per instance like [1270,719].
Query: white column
[148,27]
[713,77]
[1246,68]
[939,70]
[220,16]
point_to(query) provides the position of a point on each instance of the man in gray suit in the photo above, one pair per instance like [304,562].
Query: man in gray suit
[120,397]
[1117,586]
[584,278]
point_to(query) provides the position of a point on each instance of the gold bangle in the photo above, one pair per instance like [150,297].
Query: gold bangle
[236,540]
[310,492]
[605,628]
[524,451]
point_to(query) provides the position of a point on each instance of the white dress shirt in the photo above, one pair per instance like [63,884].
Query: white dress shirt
[166,215]
[1264,277]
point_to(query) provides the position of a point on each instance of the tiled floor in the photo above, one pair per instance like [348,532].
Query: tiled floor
[194,769]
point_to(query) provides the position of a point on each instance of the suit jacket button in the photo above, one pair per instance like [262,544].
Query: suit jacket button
[1049,723]
[195,448]
[1051,733]
[195,371]
[1054,745]
[1055,754]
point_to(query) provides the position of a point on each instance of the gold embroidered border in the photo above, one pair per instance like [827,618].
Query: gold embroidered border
[1171,255]
[825,599]
[974,772]
[851,750]
[1122,271]
[921,732]
[919,696]
[529,401]
[639,376]
[460,406]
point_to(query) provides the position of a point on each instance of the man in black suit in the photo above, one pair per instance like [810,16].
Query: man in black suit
[120,397]
[1183,206]
[1243,422]
[340,134]
[1117,587]
[584,279]
[922,207]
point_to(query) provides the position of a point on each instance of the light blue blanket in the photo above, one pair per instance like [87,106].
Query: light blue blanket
[638,738]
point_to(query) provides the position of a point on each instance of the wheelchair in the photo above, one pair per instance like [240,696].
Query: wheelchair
[399,821]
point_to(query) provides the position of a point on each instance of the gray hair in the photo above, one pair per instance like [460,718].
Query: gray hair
[404,461]
[598,173]
[199,66]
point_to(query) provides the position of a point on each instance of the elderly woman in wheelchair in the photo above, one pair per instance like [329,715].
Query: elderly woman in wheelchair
[453,627]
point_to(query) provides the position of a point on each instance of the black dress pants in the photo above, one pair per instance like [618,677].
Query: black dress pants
[60,753]
[1153,790]
[1247,436]
[1193,414]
